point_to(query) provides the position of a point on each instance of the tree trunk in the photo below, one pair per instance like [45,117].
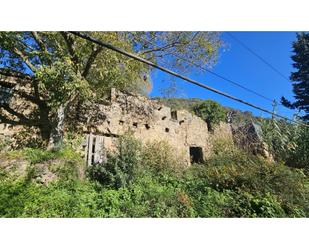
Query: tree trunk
[45,125]
[57,131]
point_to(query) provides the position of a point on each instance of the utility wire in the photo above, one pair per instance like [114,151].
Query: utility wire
[133,56]
[217,75]
[258,56]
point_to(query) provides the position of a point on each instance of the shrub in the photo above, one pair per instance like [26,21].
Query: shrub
[281,138]
[121,166]
[206,201]
[288,142]
[159,156]
[131,160]
[211,112]
[63,199]
[150,197]
[299,157]
[245,204]
[239,171]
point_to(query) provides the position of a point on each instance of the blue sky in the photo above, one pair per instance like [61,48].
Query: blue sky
[238,64]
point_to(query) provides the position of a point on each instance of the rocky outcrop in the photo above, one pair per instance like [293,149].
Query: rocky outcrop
[249,136]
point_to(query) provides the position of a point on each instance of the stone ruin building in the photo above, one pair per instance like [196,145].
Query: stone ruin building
[148,121]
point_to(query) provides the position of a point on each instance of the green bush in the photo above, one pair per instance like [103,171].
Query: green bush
[121,167]
[158,157]
[287,142]
[239,172]
[151,198]
[299,157]
[211,112]
[245,204]
[131,160]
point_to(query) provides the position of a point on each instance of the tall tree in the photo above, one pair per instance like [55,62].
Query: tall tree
[54,71]
[301,76]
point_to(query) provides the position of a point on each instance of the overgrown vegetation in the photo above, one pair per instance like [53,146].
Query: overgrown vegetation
[142,181]
[210,111]
[289,143]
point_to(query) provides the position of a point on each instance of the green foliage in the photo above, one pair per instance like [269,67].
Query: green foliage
[300,76]
[200,48]
[121,166]
[245,204]
[38,155]
[299,157]
[21,199]
[287,142]
[33,164]
[249,177]
[140,181]
[211,112]
[158,156]
[280,137]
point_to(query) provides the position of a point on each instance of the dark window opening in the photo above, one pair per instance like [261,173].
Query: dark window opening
[135,125]
[167,129]
[147,126]
[181,121]
[93,150]
[174,115]
[196,154]
[93,145]
[210,127]
[121,122]
[163,118]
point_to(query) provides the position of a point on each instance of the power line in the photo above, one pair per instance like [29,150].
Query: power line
[119,50]
[258,56]
[219,76]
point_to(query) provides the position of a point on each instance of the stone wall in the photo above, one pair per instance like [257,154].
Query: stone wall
[148,121]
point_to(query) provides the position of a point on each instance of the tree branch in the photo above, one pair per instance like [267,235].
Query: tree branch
[24,58]
[156,49]
[70,45]
[39,41]
[42,46]
[22,118]
[5,120]
[13,73]
[19,92]
[90,60]
[11,82]
[28,97]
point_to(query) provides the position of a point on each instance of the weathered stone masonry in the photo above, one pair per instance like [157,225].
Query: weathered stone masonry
[148,121]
